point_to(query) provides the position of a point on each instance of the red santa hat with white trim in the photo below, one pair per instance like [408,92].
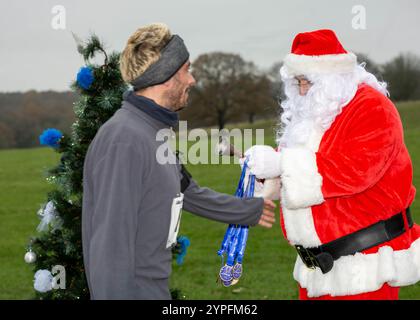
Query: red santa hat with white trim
[318,52]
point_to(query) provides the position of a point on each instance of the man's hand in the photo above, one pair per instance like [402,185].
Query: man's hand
[268,216]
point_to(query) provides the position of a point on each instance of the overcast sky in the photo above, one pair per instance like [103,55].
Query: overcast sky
[34,55]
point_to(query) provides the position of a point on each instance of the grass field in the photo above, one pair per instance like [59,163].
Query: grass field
[269,260]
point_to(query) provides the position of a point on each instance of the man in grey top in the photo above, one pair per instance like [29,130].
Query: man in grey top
[131,201]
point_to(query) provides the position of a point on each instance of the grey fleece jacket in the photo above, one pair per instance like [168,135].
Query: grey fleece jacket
[126,214]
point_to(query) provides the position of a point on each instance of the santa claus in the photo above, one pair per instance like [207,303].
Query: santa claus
[346,176]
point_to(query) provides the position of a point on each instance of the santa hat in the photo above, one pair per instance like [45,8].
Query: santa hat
[318,52]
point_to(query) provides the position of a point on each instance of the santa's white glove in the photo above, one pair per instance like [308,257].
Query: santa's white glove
[264,161]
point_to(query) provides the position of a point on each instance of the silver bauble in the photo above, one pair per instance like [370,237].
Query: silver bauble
[30,257]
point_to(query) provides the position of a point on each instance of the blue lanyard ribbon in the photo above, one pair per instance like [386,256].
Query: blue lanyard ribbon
[240,189]
[226,240]
[236,236]
[233,248]
[242,246]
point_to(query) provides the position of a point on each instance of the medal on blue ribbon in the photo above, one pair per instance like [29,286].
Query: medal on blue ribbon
[226,274]
[236,236]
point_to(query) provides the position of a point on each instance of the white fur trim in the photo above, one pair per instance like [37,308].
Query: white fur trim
[300,178]
[300,164]
[362,273]
[300,227]
[330,63]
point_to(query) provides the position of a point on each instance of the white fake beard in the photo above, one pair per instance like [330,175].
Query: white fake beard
[318,109]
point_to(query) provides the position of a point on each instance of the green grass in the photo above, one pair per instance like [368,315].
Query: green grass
[22,190]
[269,260]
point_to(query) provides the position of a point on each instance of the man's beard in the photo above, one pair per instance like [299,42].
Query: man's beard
[177,98]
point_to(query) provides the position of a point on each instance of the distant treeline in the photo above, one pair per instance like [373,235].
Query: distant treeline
[229,89]
[23,116]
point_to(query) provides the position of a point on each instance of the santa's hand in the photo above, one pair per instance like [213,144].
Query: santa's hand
[268,216]
[268,188]
[264,161]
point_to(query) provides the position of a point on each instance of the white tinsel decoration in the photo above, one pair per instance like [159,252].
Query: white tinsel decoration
[48,214]
[43,281]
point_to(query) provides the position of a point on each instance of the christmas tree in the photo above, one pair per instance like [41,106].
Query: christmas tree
[58,241]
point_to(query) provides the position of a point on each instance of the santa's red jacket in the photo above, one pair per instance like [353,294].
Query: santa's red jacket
[355,174]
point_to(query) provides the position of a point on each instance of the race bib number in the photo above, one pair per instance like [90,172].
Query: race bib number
[176,211]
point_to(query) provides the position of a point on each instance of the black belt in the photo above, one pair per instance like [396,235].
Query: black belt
[380,232]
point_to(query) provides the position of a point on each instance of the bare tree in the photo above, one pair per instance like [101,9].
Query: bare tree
[273,75]
[227,88]
[370,65]
[403,76]
[254,97]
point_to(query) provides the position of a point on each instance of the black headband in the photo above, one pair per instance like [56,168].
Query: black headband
[172,57]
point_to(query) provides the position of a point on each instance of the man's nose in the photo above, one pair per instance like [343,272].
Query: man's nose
[192,80]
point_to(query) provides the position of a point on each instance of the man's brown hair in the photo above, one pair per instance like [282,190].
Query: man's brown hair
[143,49]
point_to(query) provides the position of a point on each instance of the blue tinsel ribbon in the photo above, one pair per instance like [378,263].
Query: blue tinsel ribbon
[182,244]
[85,77]
[50,137]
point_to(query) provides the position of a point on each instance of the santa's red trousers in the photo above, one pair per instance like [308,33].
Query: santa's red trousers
[385,293]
